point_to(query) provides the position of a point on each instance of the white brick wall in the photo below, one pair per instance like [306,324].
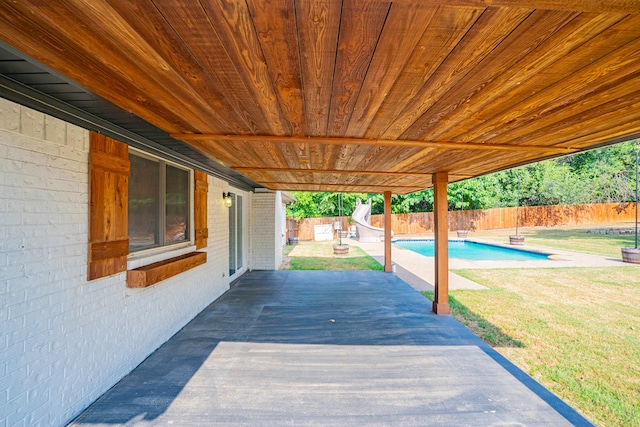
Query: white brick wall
[218,215]
[64,341]
[266,229]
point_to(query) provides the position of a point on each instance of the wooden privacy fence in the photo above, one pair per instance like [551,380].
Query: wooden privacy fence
[529,216]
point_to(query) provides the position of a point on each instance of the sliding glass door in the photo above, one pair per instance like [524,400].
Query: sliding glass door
[236,234]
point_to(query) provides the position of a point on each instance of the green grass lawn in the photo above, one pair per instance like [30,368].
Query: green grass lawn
[575,330]
[571,238]
[320,256]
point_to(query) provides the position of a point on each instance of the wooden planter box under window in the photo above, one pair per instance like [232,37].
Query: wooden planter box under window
[153,273]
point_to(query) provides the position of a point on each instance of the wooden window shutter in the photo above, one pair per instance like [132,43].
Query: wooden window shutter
[108,206]
[200,209]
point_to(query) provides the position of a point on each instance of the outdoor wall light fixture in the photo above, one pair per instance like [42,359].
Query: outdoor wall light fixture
[228,201]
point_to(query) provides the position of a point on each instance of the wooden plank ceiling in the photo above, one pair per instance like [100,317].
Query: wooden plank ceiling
[353,95]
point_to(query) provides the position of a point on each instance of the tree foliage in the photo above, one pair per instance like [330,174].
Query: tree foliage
[604,175]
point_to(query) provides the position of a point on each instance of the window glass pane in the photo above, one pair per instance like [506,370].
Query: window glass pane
[144,197]
[177,205]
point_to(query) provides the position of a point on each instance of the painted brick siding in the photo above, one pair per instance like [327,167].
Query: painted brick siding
[218,218]
[64,341]
[264,244]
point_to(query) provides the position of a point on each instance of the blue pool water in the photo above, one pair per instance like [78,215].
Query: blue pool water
[472,251]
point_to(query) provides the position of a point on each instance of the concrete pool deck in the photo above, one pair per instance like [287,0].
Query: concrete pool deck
[419,271]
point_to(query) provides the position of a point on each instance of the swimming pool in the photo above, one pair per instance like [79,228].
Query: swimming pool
[472,250]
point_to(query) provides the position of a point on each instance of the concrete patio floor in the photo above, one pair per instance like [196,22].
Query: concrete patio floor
[326,348]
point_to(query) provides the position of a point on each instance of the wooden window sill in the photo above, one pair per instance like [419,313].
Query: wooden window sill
[153,273]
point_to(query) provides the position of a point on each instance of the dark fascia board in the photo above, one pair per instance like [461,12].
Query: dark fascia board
[22,94]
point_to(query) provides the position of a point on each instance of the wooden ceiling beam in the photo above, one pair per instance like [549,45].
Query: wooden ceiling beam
[597,6]
[343,172]
[345,188]
[450,145]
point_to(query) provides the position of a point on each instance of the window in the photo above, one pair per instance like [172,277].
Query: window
[159,211]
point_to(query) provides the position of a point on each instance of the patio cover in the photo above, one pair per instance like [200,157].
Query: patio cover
[353,95]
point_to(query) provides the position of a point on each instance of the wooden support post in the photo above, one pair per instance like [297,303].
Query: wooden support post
[388,267]
[441,226]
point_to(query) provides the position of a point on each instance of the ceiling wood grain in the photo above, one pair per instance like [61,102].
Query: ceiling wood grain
[353,95]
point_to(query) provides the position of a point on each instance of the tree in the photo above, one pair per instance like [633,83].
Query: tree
[608,171]
[305,206]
